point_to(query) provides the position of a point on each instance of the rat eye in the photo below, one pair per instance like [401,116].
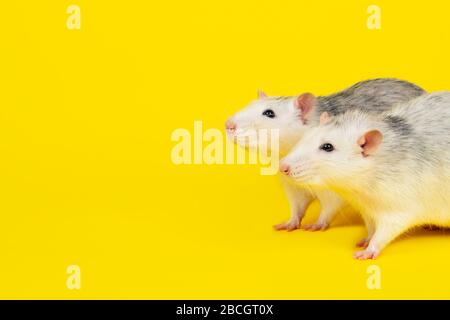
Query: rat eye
[328,147]
[269,113]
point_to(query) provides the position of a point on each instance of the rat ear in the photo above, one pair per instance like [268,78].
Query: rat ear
[324,118]
[305,103]
[261,94]
[370,142]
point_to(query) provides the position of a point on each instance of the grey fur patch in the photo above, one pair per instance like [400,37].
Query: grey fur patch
[371,96]
[399,125]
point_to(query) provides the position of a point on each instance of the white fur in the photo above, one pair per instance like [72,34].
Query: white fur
[371,96]
[403,184]
[291,129]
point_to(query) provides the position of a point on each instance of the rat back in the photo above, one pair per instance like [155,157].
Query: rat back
[372,96]
[420,130]
[413,165]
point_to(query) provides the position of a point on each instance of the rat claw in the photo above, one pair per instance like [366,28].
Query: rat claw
[315,227]
[280,226]
[288,226]
[366,254]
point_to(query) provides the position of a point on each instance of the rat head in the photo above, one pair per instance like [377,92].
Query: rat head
[336,152]
[288,115]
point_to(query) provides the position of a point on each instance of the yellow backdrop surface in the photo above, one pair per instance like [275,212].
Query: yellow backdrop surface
[86,176]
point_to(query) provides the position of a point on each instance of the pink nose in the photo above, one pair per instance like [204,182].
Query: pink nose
[284,168]
[230,125]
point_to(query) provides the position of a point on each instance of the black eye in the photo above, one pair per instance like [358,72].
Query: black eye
[328,147]
[269,113]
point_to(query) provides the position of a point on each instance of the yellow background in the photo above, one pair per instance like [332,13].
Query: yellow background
[85,171]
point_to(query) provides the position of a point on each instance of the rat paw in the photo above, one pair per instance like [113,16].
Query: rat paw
[363,243]
[316,226]
[288,226]
[366,254]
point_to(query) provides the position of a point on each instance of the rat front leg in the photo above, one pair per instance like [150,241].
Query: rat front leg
[299,200]
[370,226]
[330,204]
[387,227]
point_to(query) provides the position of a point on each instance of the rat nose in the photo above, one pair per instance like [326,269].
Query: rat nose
[230,125]
[285,168]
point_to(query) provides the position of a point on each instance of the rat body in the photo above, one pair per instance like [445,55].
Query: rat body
[293,116]
[394,168]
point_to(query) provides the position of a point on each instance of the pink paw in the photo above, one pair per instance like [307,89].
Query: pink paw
[366,254]
[288,226]
[315,227]
[363,243]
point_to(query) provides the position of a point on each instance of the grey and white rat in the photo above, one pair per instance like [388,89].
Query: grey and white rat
[394,168]
[293,116]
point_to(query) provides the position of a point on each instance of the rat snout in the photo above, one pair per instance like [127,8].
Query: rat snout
[230,125]
[285,168]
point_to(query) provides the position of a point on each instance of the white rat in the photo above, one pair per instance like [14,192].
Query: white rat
[293,116]
[394,168]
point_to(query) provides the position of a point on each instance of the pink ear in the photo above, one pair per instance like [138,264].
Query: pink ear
[370,142]
[261,94]
[306,103]
[324,118]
